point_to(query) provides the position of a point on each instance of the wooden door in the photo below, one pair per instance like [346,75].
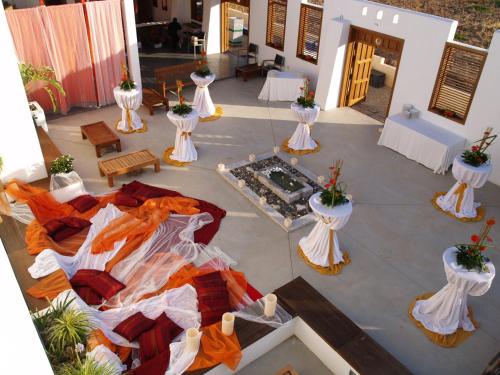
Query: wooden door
[359,79]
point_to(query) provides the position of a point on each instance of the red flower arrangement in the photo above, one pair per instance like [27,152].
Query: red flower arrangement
[477,155]
[182,108]
[471,256]
[126,84]
[306,100]
[334,193]
[202,69]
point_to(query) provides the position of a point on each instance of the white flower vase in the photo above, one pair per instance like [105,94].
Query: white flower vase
[63,180]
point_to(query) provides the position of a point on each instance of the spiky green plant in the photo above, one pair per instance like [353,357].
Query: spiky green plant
[86,367]
[43,74]
[71,328]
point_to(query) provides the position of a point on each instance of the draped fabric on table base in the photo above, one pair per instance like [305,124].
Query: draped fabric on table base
[219,112]
[479,210]
[167,158]
[332,269]
[447,341]
[287,149]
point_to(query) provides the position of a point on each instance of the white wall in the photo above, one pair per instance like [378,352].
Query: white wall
[19,146]
[212,24]
[159,14]
[130,31]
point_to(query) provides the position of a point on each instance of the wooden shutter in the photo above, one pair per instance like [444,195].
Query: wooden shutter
[456,83]
[276,23]
[309,33]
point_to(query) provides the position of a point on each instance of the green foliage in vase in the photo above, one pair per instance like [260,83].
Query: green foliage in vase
[334,193]
[182,109]
[126,84]
[477,155]
[85,367]
[63,164]
[471,256]
[306,100]
[202,69]
[44,74]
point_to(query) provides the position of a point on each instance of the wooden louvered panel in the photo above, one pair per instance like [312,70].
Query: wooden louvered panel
[309,33]
[457,81]
[276,23]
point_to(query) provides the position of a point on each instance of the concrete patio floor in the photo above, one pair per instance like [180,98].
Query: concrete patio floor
[395,237]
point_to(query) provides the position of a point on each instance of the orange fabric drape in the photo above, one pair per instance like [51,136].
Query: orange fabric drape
[97,338]
[217,348]
[139,224]
[50,286]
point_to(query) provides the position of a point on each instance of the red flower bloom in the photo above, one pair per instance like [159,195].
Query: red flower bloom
[491,222]
[475,148]
[328,185]
[489,239]
[475,238]
[483,248]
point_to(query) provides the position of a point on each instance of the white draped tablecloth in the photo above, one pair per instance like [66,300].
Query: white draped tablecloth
[422,141]
[282,86]
[184,150]
[202,101]
[301,138]
[129,102]
[322,242]
[460,198]
[446,311]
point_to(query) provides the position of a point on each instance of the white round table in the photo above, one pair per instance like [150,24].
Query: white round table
[446,311]
[321,247]
[301,138]
[202,101]
[459,201]
[184,150]
[129,102]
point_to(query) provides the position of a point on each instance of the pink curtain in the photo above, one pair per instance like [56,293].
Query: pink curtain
[108,46]
[69,52]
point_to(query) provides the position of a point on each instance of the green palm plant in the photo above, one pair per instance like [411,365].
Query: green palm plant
[31,74]
[66,331]
[86,367]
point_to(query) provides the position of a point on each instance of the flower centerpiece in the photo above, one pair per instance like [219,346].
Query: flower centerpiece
[126,84]
[471,256]
[477,155]
[334,193]
[306,100]
[202,69]
[63,164]
[182,108]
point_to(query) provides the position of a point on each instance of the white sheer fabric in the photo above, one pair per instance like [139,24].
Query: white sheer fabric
[282,86]
[446,311]
[316,246]
[474,178]
[180,305]
[301,138]
[129,102]
[62,180]
[184,150]
[202,101]
[254,312]
[105,357]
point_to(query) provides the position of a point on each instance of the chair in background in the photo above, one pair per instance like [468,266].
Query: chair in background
[198,41]
[277,64]
[250,52]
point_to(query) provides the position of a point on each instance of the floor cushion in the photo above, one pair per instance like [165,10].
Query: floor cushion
[174,329]
[83,203]
[63,228]
[105,285]
[154,342]
[156,366]
[133,326]
[122,199]
[88,295]
[82,277]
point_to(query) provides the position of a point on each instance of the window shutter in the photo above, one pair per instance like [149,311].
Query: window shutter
[456,83]
[276,23]
[309,33]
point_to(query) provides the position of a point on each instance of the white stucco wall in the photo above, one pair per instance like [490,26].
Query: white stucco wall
[19,146]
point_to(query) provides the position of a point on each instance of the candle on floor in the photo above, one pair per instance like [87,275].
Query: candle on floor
[276,149]
[241,184]
[228,324]
[294,161]
[287,222]
[193,337]
[221,167]
[321,179]
[270,302]
[252,157]
[262,201]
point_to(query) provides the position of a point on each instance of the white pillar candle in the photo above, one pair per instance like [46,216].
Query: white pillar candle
[276,149]
[251,157]
[270,302]
[294,161]
[193,337]
[228,324]
[287,222]
[221,167]
[241,184]
[321,179]
[262,201]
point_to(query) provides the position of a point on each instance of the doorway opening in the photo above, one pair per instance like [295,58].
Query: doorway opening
[370,72]
[234,25]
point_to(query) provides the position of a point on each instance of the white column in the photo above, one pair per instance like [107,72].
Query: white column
[19,145]
[212,24]
[134,65]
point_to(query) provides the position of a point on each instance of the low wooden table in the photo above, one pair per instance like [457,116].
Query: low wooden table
[152,100]
[127,163]
[247,70]
[101,136]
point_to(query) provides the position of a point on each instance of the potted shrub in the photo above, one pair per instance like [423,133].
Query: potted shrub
[62,173]
[202,69]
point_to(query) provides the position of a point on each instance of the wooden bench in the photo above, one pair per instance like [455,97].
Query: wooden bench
[248,70]
[152,100]
[101,136]
[166,78]
[127,163]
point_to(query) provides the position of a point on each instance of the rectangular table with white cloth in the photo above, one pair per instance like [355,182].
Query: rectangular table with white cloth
[422,141]
[282,86]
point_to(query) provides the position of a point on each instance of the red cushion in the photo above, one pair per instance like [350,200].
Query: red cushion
[88,295]
[144,191]
[154,342]
[105,285]
[210,317]
[214,302]
[122,199]
[209,279]
[156,366]
[174,329]
[81,277]
[83,203]
[53,226]
[60,229]
[65,232]
[133,326]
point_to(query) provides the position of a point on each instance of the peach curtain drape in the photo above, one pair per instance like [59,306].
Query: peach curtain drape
[108,46]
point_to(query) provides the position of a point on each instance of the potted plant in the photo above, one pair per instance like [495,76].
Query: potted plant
[126,84]
[471,256]
[202,69]
[477,155]
[334,193]
[181,109]
[62,173]
[43,74]
[306,100]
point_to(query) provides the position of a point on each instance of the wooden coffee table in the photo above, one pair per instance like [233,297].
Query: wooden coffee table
[247,70]
[127,163]
[101,136]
